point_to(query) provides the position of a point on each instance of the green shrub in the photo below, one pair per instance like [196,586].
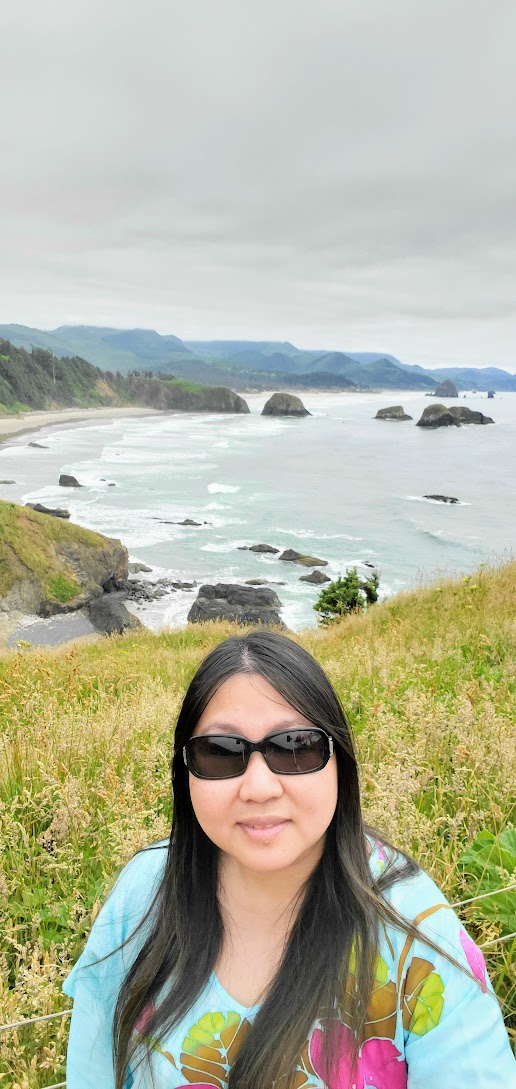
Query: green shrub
[346,595]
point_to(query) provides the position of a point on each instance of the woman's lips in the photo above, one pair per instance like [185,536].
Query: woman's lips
[263,831]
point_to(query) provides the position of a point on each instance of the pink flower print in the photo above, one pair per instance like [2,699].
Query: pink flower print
[144,1017]
[378,1065]
[475,959]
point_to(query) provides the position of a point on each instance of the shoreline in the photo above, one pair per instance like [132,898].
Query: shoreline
[10,427]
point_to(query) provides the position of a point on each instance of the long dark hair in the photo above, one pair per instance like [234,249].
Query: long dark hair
[342,904]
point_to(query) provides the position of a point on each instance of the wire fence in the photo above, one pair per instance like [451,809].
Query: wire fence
[460,903]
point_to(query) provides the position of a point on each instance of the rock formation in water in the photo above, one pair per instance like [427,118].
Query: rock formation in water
[243,604]
[317,577]
[285,404]
[446,389]
[469,415]
[67,481]
[291,556]
[394,412]
[437,416]
[442,498]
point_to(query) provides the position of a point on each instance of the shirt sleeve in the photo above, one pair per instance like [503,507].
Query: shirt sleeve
[454,1033]
[95,980]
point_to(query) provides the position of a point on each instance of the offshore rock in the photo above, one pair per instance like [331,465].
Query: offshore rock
[291,556]
[437,416]
[231,601]
[442,498]
[317,577]
[469,415]
[266,548]
[394,412]
[446,389]
[285,404]
[67,481]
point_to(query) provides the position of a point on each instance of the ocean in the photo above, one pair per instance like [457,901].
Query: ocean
[338,485]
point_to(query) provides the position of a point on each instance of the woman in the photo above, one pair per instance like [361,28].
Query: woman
[274,941]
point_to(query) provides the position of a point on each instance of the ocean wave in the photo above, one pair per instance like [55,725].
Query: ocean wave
[215,488]
[313,534]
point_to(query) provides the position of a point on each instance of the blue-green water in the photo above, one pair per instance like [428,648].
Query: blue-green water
[338,484]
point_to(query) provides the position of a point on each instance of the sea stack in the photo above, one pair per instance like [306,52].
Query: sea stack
[285,404]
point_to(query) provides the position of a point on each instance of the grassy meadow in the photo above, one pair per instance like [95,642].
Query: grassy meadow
[429,683]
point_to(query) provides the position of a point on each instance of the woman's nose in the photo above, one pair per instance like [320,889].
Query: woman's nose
[258,782]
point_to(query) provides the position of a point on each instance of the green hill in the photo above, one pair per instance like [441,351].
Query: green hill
[39,379]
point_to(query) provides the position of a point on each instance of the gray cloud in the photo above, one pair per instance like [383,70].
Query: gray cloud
[338,173]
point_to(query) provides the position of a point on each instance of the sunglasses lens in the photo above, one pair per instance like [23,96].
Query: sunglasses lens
[298,752]
[216,757]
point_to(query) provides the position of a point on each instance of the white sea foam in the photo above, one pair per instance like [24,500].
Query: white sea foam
[215,488]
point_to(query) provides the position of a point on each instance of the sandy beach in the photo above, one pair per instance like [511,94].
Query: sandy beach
[32,421]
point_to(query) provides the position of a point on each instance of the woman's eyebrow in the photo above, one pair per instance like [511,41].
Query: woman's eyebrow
[224,728]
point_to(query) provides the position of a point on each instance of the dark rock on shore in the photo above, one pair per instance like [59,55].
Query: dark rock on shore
[134,568]
[394,412]
[490,394]
[109,615]
[442,498]
[446,389]
[266,548]
[285,404]
[56,512]
[291,556]
[67,481]
[38,445]
[317,577]
[243,604]
[437,416]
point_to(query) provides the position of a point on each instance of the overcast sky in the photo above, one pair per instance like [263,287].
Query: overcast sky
[338,173]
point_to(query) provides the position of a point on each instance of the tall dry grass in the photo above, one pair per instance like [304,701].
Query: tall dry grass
[428,680]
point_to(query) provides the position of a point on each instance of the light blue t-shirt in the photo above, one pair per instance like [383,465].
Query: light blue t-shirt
[430,1026]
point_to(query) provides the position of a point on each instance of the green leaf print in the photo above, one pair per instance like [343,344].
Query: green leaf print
[429,1005]
[211,1046]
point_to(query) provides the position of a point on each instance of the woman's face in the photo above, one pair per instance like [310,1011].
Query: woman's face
[290,813]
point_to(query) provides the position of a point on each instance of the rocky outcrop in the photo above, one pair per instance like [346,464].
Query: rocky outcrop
[184,396]
[243,604]
[136,567]
[285,404]
[469,415]
[442,498]
[38,445]
[67,481]
[291,556]
[56,512]
[490,394]
[109,615]
[265,548]
[50,566]
[316,577]
[437,416]
[394,412]
[446,389]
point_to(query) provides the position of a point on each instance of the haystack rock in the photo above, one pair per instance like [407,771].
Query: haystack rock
[317,577]
[446,389]
[394,412]
[285,404]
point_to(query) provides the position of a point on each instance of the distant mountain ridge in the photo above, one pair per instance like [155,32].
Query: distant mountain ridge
[245,365]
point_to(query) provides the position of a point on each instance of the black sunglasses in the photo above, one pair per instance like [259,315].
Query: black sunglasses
[289,752]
